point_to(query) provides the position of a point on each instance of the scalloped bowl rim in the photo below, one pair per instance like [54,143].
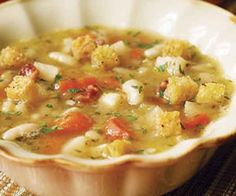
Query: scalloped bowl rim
[12,151]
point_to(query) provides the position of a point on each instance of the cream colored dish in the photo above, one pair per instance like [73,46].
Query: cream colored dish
[128,175]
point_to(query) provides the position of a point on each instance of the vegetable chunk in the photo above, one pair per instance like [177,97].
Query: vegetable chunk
[211,93]
[180,89]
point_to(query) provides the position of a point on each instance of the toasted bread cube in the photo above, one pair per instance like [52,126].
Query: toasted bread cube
[210,93]
[105,57]
[12,57]
[173,65]
[180,89]
[168,124]
[82,47]
[179,48]
[118,148]
[22,88]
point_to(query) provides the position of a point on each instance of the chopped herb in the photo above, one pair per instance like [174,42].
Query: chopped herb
[148,45]
[226,97]
[144,130]
[127,43]
[98,130]
[131,118]
[49,105]
[116,114]
[109,113]
[161,94]
[131,75]
[197,80]
[140,89]
[74,90]
[57,78]
[180,70]
[45,129]
[1,80]
[119,78]
[134,33]
[139,151]
[161,68]
[136,87]
[97,113]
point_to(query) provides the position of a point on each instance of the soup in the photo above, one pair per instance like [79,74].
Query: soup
[99,92]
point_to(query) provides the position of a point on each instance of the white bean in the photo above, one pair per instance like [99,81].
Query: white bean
[63,58]
[46,71]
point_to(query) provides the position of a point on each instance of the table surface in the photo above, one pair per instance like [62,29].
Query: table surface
[217,178]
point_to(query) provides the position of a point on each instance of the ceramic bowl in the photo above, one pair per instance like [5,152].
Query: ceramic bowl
[210,28]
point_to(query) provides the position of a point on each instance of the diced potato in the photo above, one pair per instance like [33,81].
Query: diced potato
[175,66]
[46,71]
[134,91]
[12,57]
[23,130]
[211,93]
[180,89]
[117,148]
[93,135]
[11,106]
[22,88]
[82,47]
[67,45]
[104,57]
[153,52]
[179,48]
[63,58]
[193,109]
[120,48]
[168,124]
[110,100]
[75,145]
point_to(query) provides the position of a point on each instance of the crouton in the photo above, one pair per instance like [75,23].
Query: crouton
[179,48]
[82,47]
[104,57]
[168,124]
[117,148]
[180,89]
[210,93]
[22,88]
[173,65]
[12,57]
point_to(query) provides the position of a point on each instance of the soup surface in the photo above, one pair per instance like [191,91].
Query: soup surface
[100,93]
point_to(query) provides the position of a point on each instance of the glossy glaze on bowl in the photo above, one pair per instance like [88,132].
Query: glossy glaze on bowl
[208,27]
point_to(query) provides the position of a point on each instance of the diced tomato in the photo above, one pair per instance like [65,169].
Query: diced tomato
[117,128]
[136,53]
[29,70]
[84,90]
[109,83]
[73,122]
[198,120]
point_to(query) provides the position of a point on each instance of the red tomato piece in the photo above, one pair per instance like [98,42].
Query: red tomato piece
[198,120]
[136,53]
[109,83]
[74,122]
[117,128]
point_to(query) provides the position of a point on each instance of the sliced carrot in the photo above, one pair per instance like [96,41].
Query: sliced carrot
[198,120]
[117,128]
[136,53]
[73,122]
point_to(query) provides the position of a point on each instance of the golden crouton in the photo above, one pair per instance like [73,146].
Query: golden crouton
[12,57]
[118,148]
[179,48]
[168,124]
[82,47]
[22,88]
[105,57]
[211,93]
[180,89]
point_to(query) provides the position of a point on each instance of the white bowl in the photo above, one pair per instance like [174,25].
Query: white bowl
[210,28]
